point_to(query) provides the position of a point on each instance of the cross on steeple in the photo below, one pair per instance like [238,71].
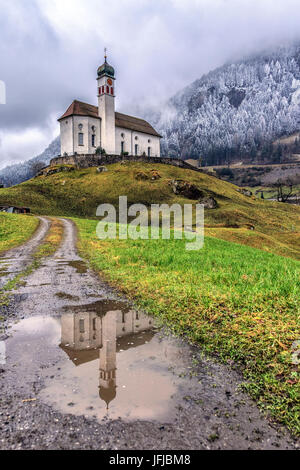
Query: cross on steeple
[105,54]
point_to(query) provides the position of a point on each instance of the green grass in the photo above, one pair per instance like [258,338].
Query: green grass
[79,192]
[271,193]
[15,229]
[234,301]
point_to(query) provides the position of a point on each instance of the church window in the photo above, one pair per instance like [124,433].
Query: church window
[123,317]
[112,90]
[80,127]
[80,138]
[81,326]
[122,147]
[93,140]
[94,324]
[149,151]
[107,89]
[102,89]
[136,137]
[136,147]
[149,140]
[99,90]
[137,316]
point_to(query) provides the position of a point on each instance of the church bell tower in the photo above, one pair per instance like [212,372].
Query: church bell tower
[106,106]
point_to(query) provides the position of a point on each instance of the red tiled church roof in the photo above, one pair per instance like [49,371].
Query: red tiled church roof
[78,108]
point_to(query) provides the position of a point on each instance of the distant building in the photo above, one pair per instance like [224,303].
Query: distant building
[84,127]
[15,210]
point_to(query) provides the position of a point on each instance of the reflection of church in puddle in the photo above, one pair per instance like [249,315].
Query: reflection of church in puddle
[100,330]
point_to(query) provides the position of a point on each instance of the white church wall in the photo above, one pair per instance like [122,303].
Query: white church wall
[132,138]
[84,124]
[123,135]
[94,129]
[66,136]
[67,329]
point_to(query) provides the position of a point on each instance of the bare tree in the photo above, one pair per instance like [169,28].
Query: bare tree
[284,189]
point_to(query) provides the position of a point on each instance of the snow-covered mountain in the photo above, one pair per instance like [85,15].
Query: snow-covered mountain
[235,110]
[15,174]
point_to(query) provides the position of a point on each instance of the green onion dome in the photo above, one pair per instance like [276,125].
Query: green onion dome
[106,69]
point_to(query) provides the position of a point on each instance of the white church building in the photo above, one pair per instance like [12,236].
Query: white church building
[84,127]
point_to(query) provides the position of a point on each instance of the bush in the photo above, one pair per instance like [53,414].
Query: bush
[225,172]
[100,151]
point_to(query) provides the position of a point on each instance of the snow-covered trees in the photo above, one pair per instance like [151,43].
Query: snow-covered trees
[15,174]
[235,110]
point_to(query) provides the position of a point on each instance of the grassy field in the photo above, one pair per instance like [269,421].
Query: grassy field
[271,193]
[235,301]
[79,192]
[15,229]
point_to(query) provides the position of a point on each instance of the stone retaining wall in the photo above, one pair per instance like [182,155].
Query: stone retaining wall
[89,160]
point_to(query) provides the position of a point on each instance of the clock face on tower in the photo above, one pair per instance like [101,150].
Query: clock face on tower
[109,82]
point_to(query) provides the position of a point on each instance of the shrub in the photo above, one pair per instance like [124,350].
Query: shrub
[100,151]
[226,172]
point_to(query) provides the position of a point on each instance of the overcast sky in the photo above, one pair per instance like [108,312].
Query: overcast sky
[50,51]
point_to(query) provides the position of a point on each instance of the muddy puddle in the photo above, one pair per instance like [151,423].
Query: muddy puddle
[80,266]
[99,360]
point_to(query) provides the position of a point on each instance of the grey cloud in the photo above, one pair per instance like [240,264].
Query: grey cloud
[157,47]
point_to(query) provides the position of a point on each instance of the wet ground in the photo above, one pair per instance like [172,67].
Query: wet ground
[84,370]
[15,261]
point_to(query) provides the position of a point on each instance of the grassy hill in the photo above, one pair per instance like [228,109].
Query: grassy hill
[79,192]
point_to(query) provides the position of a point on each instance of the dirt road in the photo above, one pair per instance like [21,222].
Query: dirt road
[84,370]
[17,259]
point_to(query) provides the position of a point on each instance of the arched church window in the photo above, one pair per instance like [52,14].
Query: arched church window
[80,138]
[93,140]
[149,151]
[81,325]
